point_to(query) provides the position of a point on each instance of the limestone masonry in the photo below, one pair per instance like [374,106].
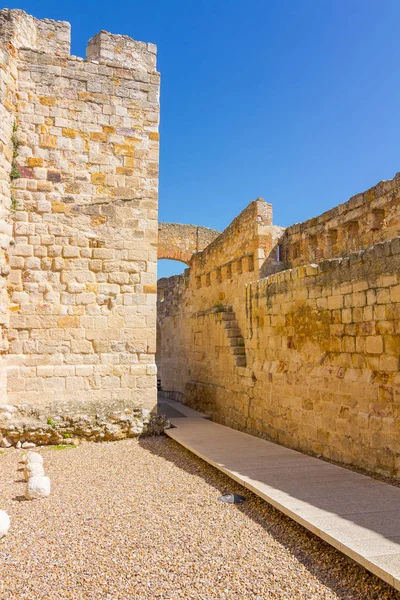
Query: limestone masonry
[78,191]
[289,334]
[294,335]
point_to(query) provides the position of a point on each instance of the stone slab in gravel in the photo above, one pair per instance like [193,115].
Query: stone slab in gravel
[329,500]
[142,520]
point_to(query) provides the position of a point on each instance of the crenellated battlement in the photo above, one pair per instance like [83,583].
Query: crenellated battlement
[45,35]
[21,30]
[366,219]
[122,51]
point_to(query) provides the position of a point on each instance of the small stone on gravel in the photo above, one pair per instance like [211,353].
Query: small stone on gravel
[4,523]
[28,445]
[34,457]
[33,470]
[37,487]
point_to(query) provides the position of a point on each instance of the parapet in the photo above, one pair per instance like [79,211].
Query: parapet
[25,31]
[363,221]
[122,51]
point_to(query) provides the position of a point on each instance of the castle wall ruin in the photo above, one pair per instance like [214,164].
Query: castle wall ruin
[288,336]
[366,219]
[78,191]
[180,242]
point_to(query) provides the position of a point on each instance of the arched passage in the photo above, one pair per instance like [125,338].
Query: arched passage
[180,242]
[167,267]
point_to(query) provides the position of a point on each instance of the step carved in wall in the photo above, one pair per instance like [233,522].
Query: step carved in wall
[234,334]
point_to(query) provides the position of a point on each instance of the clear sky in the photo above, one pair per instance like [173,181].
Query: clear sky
[296,101]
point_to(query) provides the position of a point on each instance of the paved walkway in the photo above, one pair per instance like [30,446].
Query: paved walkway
[172,409]
[356,514]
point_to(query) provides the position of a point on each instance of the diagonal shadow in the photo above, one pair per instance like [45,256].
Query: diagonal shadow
[329,566]
[324,495]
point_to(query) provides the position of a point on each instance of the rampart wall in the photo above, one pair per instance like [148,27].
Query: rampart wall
[308,356]
[245,248]
[364,220]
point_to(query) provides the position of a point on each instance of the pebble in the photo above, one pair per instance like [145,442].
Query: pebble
[7,408]
[4,523]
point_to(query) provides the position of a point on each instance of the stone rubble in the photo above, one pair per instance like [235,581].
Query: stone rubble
[30,427]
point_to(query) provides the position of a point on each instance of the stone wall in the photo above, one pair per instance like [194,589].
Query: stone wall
[7,120]
[307,357]
[246,248]
[180,242]
[83,202]
[363,221]
[216,279]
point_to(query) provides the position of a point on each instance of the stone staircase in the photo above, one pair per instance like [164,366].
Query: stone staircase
[236,340]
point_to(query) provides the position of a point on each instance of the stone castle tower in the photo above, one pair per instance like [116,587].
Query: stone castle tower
[78,193]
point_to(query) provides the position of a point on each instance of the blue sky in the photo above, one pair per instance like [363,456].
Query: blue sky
[296,101]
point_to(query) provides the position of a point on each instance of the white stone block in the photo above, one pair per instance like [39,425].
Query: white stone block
[33,470]
[28,445]
[4,523]
[37,487]
[34,457]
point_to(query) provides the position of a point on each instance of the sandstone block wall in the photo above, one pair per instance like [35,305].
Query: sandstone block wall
[180,242]
[246,248]
[363,221]
[7,102]
[324,353]
[214,284]
[307,357]
[79,181]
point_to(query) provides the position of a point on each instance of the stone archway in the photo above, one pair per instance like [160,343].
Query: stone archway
[180,242]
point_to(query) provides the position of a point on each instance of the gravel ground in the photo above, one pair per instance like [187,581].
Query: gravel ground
[129,520]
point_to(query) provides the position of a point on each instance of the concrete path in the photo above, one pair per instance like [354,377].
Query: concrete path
[172,409]
[356,514]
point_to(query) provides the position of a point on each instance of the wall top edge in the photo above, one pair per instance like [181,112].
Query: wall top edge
[24,31]
[381,250]
[381,188]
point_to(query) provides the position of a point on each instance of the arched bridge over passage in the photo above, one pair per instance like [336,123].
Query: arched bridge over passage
[180,242]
